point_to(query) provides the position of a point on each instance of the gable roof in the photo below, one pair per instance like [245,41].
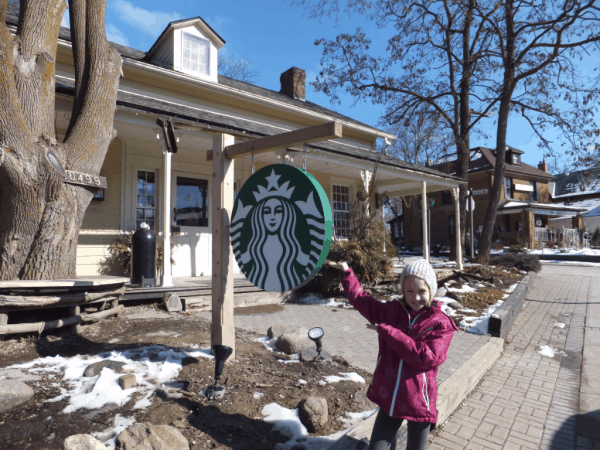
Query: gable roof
[513,169]
[580,182]
[191,20]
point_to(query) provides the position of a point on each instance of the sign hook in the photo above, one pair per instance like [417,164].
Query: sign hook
[304,157]
[252,159]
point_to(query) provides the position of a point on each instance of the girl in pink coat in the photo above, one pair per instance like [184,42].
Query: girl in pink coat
[414,336]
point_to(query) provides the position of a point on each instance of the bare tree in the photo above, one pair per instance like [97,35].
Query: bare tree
[238,69]
[435,59]
[537,46]
[41,214]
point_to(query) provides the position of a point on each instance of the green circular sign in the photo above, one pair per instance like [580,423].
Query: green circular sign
[281,228]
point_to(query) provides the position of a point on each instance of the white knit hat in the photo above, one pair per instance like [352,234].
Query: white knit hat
[422,269]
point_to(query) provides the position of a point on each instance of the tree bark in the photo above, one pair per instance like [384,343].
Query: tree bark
[41,214]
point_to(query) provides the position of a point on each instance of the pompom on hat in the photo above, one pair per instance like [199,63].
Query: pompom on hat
[422,269]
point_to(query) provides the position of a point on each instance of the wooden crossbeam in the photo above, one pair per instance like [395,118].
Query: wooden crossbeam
[317,133]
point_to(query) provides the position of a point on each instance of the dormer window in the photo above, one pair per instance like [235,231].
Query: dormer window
[195,55]
[516,159]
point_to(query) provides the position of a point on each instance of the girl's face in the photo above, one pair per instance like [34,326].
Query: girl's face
[272,212]
[416,292]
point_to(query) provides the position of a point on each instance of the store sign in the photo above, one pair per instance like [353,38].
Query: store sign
[281,228]
[480,191]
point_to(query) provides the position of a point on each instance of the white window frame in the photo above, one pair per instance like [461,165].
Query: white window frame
[349,187]
[157,215]
[201,41]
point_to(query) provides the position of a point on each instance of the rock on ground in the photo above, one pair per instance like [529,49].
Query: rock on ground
[83,442]
[456,305]
[313,412]
[341,360]
[294,341]
[13,393]
[173,303]
[95,369]
[128,381]
[276,330]
[145,436]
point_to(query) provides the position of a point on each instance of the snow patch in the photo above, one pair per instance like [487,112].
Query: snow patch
[109,436]
[314,299]
[546,350]
[346,376]
[351,418]
[559,325]
[258,395]
[479,325]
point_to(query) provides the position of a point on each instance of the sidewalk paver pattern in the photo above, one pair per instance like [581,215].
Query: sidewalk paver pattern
[526,400]
[347,335]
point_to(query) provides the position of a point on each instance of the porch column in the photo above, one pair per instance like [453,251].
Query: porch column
[459,257]
[425,227]
[167,279]
[222,327]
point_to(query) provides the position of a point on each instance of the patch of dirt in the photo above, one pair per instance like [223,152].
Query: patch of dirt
[234,422]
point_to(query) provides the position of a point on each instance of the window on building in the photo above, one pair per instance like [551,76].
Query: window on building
[451,226]
[192,202]
[396,234]
[508,187]
[145,210]
[195,54]
[341,210]
[516,159]
[534,193]
[446,198]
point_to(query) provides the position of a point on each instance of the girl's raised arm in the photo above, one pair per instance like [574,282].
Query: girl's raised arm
[372,310]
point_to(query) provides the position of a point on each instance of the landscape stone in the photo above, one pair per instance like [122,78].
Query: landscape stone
[309,353]
[152,437]
[17,374]
[313,412]
[456,305]
[83,442]
[294,341]
[3,319]
[13,393]
[360,398]
[128,381]
[441,292]
[173,303]
[276,330]
[95,369]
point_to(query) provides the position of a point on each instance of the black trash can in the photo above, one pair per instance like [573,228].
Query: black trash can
[143,257]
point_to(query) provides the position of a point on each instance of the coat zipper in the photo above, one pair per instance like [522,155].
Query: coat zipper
[426,394]
[410,325]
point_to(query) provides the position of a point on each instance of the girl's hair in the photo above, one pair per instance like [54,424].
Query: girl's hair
[288,278]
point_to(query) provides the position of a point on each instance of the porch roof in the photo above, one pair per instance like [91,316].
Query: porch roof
[512,207]
[186,116]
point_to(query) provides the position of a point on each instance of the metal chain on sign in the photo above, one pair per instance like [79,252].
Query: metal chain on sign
[252,159]
[304,157]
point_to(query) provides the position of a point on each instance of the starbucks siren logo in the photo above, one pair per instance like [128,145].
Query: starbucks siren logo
[281,228]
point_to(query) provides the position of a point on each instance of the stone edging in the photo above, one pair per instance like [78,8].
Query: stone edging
[504,317]
[451,392]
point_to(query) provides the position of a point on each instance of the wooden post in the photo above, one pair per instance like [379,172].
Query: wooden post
[459,256]
[74,311]
[222,328]
[425,227]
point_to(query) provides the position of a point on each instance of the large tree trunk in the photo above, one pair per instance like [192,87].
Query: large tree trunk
[41,214]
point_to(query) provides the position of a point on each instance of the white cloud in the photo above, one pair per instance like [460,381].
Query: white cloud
[115,35]
[150,22]
[65,22]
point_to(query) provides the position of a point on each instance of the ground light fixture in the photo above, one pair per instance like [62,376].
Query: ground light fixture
[216,391]
[315,334]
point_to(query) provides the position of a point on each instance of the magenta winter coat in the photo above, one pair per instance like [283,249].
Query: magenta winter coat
[411,348]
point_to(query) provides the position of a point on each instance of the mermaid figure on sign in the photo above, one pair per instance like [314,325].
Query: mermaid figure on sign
[274,254]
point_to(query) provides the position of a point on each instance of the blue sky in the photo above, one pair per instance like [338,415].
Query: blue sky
[273,36]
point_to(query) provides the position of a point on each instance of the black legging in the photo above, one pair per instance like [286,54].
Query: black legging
[385,433]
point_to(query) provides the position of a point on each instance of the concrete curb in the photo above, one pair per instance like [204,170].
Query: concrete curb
[504,317]
[451,392]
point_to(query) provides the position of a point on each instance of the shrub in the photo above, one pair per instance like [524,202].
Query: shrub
[518,261]
[515,248]
[596,237]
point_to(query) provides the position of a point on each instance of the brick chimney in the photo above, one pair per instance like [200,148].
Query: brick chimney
[293,83]
[543,166]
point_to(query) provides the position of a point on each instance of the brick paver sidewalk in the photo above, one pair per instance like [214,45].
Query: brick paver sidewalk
[530,401]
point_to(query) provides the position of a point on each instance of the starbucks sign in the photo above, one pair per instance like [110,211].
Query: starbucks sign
[281,228]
